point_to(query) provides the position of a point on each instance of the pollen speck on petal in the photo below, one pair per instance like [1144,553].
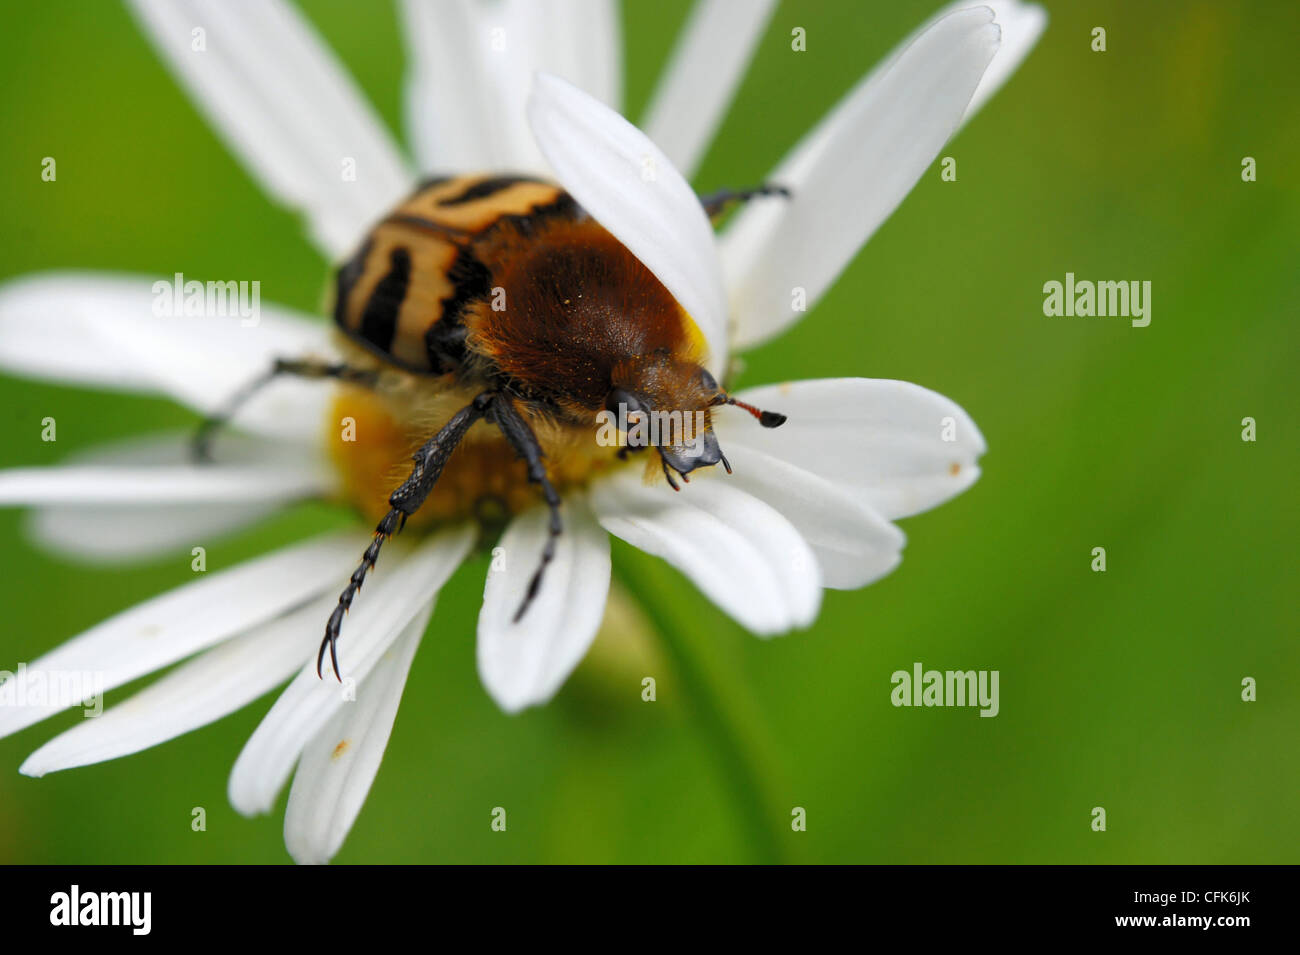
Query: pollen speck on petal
[341,748]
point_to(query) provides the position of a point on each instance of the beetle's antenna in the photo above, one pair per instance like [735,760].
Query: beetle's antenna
[768,419]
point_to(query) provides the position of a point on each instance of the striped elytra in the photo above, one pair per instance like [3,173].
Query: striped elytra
[404,293]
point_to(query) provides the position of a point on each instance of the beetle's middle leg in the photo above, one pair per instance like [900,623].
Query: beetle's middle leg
[521,437]
[716,203]
[201,443]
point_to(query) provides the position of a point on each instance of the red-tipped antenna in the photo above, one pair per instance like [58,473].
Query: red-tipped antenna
[768,419]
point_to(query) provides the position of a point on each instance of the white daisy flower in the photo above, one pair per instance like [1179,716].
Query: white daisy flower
[519,86]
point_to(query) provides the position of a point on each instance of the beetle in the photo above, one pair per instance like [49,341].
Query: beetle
[490,307]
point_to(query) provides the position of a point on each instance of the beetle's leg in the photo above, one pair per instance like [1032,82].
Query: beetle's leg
[405,501]
[716,203]
[201,444]
[526,445]
[628,450]
[669,475]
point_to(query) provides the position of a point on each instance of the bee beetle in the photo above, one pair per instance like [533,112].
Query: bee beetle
[491,313]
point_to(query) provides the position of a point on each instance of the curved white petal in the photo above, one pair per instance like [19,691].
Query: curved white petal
[702,75]
[525,663]
[337,768]
[472,65]
[97,535]
[180,484]
[198,692]
[444,114]
[1021,24]
[885,442]
[850,173]
[854,545]
[101,330]
[135,531]
[633,190]
[398,595]
[193,617]
[739,551]
[286,107]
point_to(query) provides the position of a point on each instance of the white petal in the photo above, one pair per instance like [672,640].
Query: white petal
[740,552]
[286,108]
[472,65]
[445,116]
[850,173]
[338,767]
[201,691]
[397,595]
[1021,24]
[100,330]
[121,534]
[854,545]
[633,190]
[525,663]
[882,441]
[126,531]
[107,485]
[193,617]
[702,75]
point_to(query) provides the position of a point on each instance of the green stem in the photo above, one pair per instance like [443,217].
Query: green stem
[730,734]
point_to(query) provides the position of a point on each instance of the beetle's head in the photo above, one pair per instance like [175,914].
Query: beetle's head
[666,403]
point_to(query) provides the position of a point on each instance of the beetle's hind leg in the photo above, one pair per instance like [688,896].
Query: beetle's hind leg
[716,203]
[405,501]
[521,437]
[201,443]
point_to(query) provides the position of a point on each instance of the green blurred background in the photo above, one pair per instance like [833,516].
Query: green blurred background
[1119,690]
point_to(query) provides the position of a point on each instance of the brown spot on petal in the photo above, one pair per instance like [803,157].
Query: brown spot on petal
[954,469]
[341,748]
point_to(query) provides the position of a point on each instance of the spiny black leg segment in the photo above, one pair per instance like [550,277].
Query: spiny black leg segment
[526,445]
[405,501]
[201,444]
[391,523]
[715,204]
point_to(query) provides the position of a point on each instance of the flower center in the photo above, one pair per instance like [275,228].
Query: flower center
[373,435]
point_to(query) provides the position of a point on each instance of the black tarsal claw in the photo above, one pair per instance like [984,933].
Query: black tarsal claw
[330,641]
[534,585]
